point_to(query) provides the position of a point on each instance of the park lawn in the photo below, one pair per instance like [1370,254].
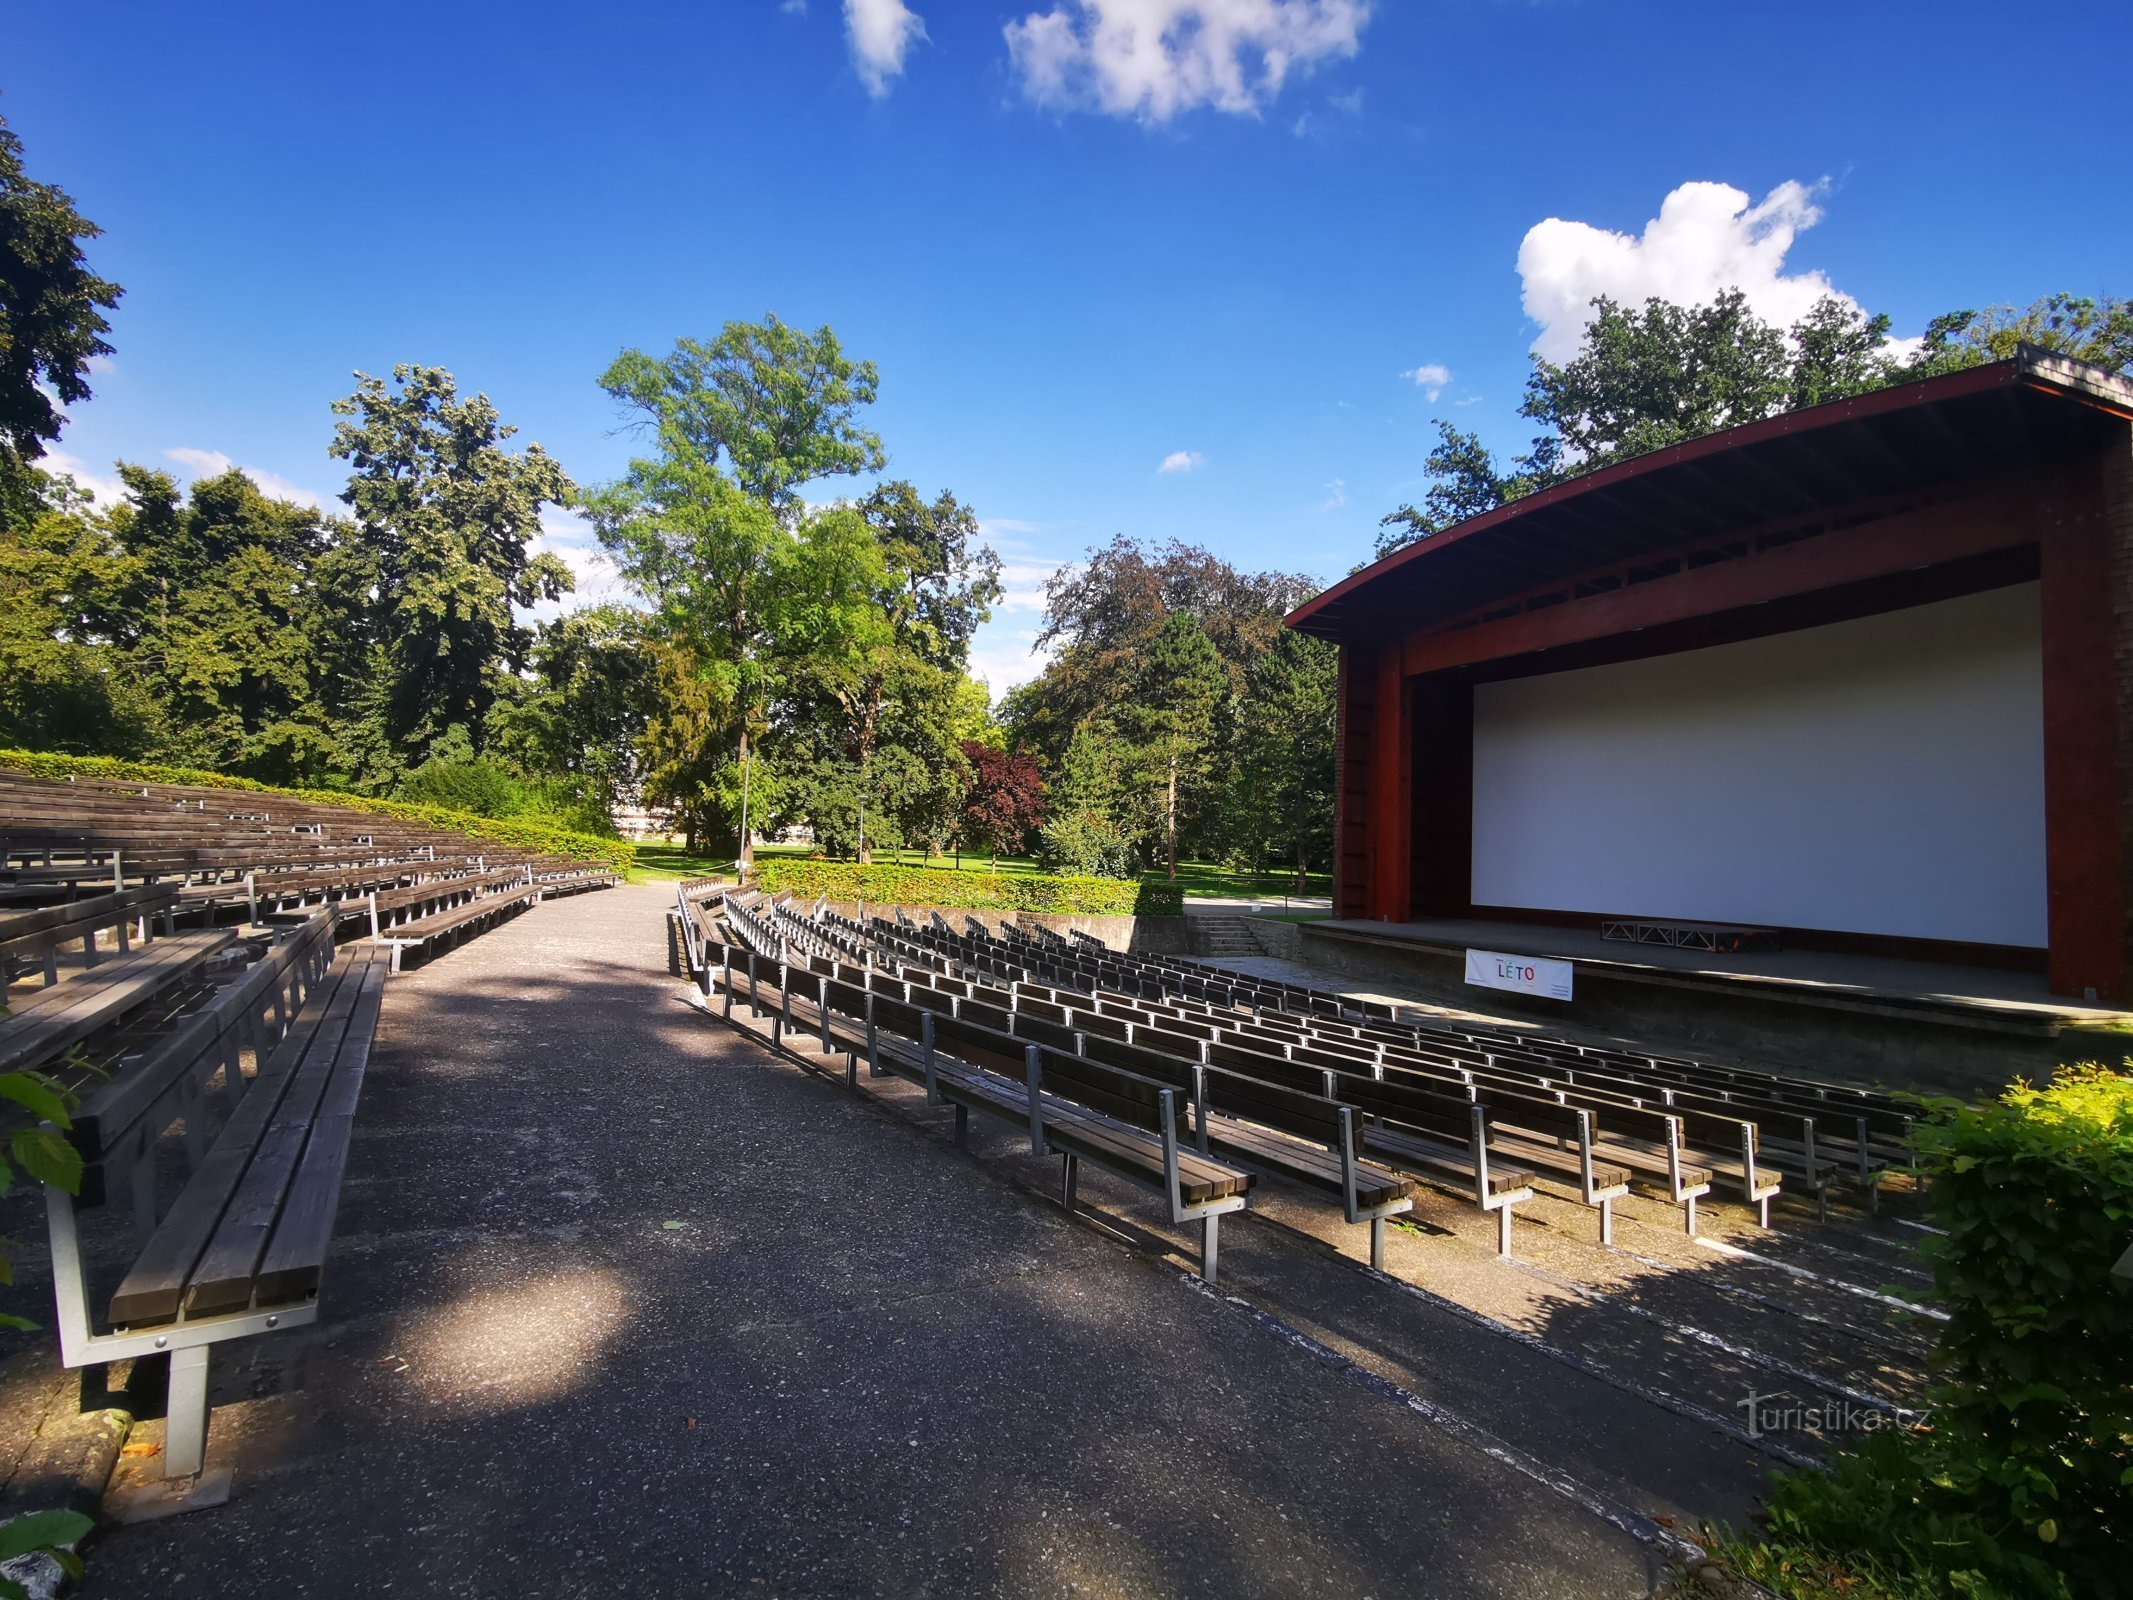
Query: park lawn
[1200,880]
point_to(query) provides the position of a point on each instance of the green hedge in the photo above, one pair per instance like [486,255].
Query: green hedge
[539,837]
[971,891]
[2023,1485]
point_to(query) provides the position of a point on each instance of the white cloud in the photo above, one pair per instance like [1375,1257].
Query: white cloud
[1707,237]
[1182,461]
[105,491]
[101,364]
[1336,495]
[1431,378]
[880,32]
[566,534]
[213,463]
[1003,657]
[1152,59]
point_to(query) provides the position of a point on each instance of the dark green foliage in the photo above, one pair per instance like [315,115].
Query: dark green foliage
[975,891]
[1645,378]
[1140,719]
[52,307]
[446,515]
[2023,1485]
[1281,780]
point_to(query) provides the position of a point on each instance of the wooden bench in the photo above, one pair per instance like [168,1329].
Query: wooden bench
[52,1021]
[39,933]
[1133,1135]
[473,908]
[240,1250]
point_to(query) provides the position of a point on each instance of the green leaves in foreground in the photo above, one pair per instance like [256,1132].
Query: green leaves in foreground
[49,1532]
[2023,1487]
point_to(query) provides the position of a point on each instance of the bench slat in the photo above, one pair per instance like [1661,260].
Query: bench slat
[295,1255]
[223,1279]
[155,1289]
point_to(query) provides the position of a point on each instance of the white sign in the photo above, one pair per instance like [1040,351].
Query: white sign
[1492,969]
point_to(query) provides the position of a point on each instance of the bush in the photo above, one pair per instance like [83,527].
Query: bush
[2024,1485]
[524,834]
[971,891]
[484,788]
[1086,842]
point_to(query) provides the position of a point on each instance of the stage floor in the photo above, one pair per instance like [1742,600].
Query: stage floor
[1811,975]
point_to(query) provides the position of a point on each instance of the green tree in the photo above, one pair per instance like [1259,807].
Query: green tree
[584,709]
[1281,782]
[449,514]
[1647,378]
[707,526]
[1171,721]
[67,681]
[52,322]
[2097,331]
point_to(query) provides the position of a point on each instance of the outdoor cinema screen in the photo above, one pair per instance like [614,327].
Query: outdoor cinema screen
[1883,776]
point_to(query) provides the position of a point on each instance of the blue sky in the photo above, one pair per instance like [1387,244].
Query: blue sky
[1262,242]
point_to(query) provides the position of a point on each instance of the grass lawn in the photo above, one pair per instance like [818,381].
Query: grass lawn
[1201,880]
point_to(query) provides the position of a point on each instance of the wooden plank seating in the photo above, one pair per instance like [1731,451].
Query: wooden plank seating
[1133,1135]
[39,933]
[53,1021]
[1595,1158]
[240,1249]
[466,910]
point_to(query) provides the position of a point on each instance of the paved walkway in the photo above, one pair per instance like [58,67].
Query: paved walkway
[622,1304]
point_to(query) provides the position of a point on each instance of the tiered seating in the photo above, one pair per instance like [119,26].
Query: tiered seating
[1753,1128]
[1488,1113]
[237,1051]
[72,852]
[266,1035]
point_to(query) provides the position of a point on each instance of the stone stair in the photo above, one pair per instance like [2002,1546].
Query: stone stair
[1222,937]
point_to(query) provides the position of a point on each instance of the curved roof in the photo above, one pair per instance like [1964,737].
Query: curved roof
[1933,434]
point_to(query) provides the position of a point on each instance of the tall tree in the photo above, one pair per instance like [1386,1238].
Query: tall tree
[583,710]
[1171,720]
[1282,778]
[706,526]
[1648,377]
[449,514]
[52,322]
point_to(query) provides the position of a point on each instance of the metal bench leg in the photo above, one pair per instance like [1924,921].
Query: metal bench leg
[1503,1232]
[1067,1177]
[1607,1222]
[185,1430]
[962,1127]
[1210,1245]
[1688,1208]
[1377,1244]
[1762,1211]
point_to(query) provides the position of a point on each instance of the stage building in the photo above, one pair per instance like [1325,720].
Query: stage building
[1856,680]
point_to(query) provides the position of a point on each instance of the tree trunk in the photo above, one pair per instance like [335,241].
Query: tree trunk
[747,851]
[1170,819]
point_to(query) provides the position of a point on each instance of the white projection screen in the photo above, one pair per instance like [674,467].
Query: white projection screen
[1881,776]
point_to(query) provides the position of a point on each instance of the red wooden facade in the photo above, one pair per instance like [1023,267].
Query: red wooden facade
[2017,471]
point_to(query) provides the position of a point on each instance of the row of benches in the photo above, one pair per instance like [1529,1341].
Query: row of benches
[1488,1127]
[1803,1129]
[216,1067]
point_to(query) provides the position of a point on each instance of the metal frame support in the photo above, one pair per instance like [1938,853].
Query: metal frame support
[1033,1081]
[925,1058]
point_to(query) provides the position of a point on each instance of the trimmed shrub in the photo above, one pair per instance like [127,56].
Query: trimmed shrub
[971,891]
[2023,1486]
[540,837]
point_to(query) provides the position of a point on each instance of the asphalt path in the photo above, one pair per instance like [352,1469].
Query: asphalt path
[621,1303]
